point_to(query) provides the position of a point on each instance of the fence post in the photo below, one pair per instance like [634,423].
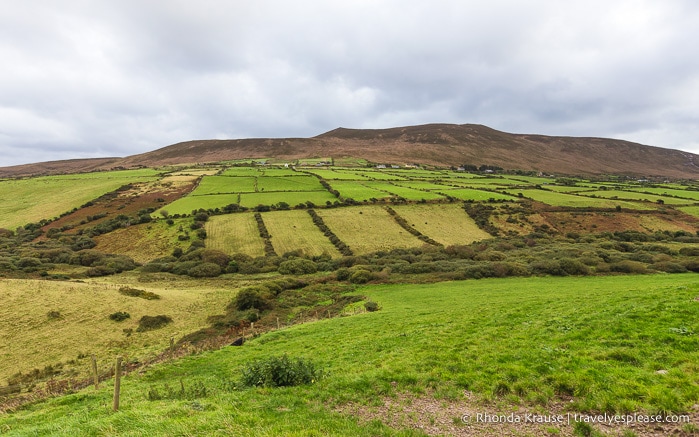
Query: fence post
[95,375]
[172,347]
[117,384]
[278,323]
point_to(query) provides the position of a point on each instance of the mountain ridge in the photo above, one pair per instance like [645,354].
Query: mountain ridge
[442,145]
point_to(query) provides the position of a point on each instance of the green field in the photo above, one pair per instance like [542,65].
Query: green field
[668,192]
[234,233]
[378,175]
[476,195]
[367,229]
[569,200]
[633,195]
[187,204]
[332,175]
[25,201]
[294,230]
[447,224]
[357,191]
[540,345]
[288,183]
[224,185]
[293,198]
[404,192]
[424,185]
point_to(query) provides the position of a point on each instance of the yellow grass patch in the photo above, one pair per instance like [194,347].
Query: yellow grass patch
[234,233]
[445,223]
[143,242]
[367,229]
[30,338]
[292,230]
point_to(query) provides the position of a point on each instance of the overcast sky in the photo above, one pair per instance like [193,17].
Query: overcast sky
[114,78]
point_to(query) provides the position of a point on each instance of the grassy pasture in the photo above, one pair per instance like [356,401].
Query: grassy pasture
[293,198]
[691,210]
[292,230]
[591,344]
[278,171]
[31,339]
[488,182]
[378,175]
[477,195]
[289,183]
[405,192]
[445,223]
[357,191]
[423,185]
[224,185]
[367,229]
[569,200]
[567,189]
[667,192]
[25,201]
[234,233]
[332,175]
[187,204]
[633,195]
[241,171]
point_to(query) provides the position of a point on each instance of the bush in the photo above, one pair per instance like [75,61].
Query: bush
[251,298]
[280,372]
[298,266]
[628,266]
[205,270]
[119,316]
[360,276]
[371,306]
[135,292]
[149,323]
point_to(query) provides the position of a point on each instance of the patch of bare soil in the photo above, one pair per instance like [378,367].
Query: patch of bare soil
[470,417]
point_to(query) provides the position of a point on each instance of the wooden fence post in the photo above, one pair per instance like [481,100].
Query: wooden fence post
[117,384]
[95,375]
[278,323]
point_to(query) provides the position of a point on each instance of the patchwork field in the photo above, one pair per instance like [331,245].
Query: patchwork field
[357,191]
[187,204]
[633,195]
[475,195]
[293,230]
[445,223]
[234,233]
[25,201]
[404,192]
[367,229]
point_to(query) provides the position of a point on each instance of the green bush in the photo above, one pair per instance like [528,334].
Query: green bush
[280,372]
[205,270]
[361,276]
[135,292]
[251,298]
[298,266]
[119,316]
[149,323]
[371,306]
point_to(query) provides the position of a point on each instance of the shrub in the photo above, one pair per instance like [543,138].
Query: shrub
[280,372]
[119,316]
[100,271]
[628,266]
[360,276]
[371,306]
[298,266]
[251,298]
[574,267]
[135,292]
[149,323]
[205,270]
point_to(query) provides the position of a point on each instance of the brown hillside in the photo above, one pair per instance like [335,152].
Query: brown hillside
[432,144]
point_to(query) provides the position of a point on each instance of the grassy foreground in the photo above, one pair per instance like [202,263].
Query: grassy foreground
[600,341]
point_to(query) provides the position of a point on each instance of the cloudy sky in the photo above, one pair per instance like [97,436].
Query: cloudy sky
[113,78]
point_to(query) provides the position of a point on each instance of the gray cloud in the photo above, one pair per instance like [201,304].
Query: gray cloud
[85,79]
